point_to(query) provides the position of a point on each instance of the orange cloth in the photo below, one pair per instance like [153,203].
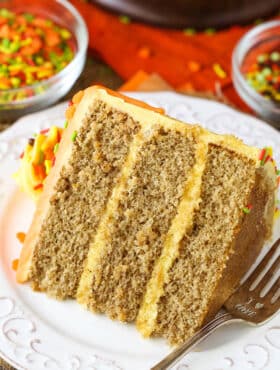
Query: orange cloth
[185,62]
[136,80]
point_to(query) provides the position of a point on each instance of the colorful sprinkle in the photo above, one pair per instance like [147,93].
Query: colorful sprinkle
[38,159]
[263,75]
[189,31]
[65,124]
[258,21]
[55,148]
[37,187]
[144,52]
[15,263]
[45,131]
[194,66]
[262,154]
[268,158]
[31,141]
[124,19]
[219,71]
[247,209]
[266,155]
[210,31]
[74,135]
[277,209]
[32,49]
[21,237]
[48,166]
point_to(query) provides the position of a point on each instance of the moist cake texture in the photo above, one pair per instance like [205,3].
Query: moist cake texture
[204,250]
[136,227]
[145,218]
[80,194]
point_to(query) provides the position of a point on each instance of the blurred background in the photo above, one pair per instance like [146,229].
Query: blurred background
[181,45]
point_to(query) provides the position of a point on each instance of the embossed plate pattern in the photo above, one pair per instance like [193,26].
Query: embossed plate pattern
[38,333]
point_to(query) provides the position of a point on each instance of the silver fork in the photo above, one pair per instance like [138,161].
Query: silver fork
[254,302]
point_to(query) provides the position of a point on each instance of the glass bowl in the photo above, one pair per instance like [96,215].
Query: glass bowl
[261,39]
[48,91]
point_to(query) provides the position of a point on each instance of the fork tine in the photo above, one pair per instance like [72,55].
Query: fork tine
[262,264]
[276,303]
[269,275]
[273,290]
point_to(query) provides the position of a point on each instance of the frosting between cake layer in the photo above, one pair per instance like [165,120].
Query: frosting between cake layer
[181,224]
[101,236]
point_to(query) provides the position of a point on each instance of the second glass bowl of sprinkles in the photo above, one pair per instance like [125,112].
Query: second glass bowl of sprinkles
[43,47]
[256,70]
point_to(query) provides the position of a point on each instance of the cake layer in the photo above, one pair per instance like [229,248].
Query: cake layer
[142,216]
[81,191]
[137,222]
[189,290]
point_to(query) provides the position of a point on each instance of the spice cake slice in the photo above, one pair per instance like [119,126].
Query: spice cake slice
[93,149]
[151,213]
[138,216]
[145,217]
[191,281]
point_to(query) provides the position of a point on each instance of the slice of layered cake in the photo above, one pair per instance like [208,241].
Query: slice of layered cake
[91,153]
[146,218]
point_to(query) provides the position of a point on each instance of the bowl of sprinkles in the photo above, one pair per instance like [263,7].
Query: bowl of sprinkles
[256,70]
[43,48]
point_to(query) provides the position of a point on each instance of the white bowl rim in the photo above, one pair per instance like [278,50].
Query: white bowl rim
[243,45]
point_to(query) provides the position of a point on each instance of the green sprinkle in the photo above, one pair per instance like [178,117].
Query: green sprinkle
[15,81]
[275,56]
[41,157]
[260,77]
[246,210]
[65,124]
[40,89]
[266,71]
[277,172]
[6,42]
[74,135]
[49,23]
[55,148]
[262,58]
[5,13]
[39,60]
[124,19]
[258,21]
[29,17]
[210,31]
[189,31]
[14,46]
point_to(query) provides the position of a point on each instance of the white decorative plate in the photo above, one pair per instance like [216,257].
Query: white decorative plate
[38,333]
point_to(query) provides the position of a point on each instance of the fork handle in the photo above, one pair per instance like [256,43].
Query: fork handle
[185,348]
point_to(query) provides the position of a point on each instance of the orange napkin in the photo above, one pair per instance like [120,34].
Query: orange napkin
[143,81]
